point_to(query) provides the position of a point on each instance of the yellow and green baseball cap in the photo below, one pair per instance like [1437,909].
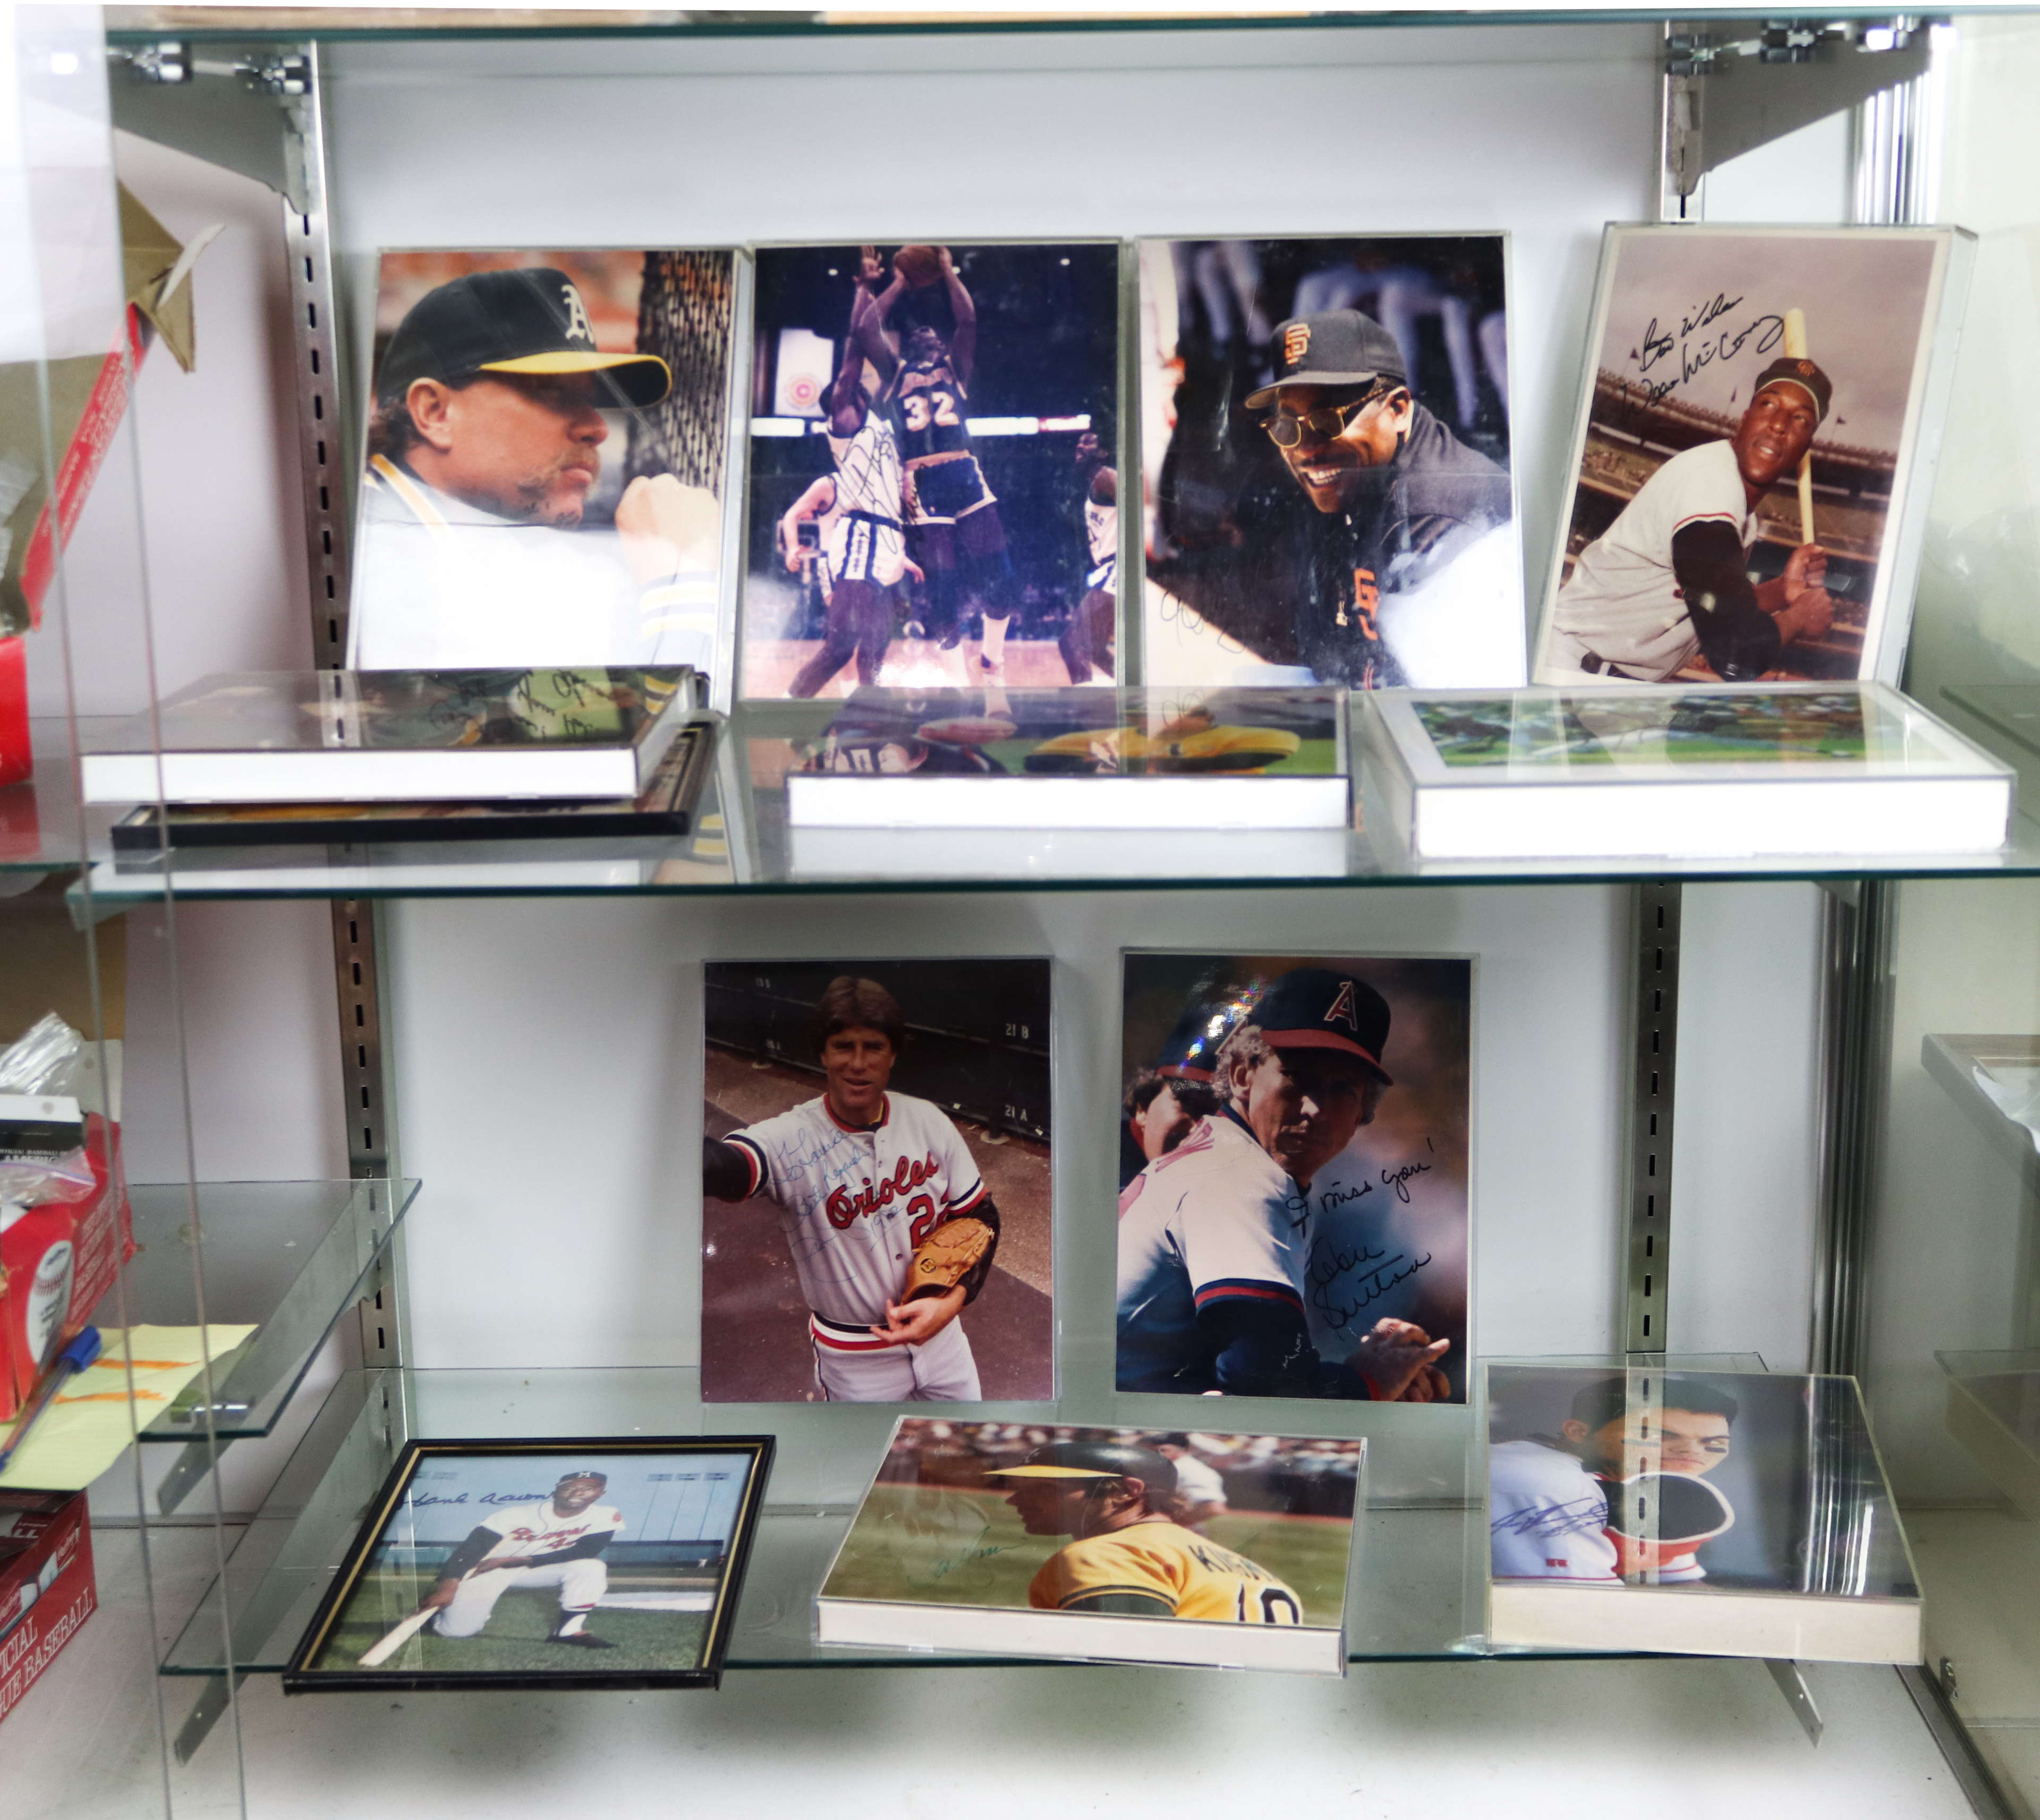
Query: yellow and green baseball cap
[528,320]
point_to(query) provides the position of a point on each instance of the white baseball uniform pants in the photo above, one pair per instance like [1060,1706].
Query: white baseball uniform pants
[849,1370]
[580,1584]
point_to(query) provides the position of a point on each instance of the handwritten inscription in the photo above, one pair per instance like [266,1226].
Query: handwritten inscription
[1343,1284]
[1707,335]
[1400,1179]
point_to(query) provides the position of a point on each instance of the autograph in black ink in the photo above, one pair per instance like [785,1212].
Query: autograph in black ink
[1694,351]
[1345,1283]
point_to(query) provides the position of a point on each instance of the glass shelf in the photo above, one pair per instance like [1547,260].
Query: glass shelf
[146,24]
[1417,1589]
[40,829]
[1409,1593]
[1994,1413]
[291,1258]
[744,846]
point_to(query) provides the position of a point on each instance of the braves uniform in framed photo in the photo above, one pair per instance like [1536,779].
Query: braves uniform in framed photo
[564,1550]
[856,1203]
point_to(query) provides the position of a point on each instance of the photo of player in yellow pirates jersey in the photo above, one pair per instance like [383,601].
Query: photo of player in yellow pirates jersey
[1129,1544]
[1131,1555]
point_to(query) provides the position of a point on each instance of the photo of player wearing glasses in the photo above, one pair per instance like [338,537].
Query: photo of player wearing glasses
[1329,498]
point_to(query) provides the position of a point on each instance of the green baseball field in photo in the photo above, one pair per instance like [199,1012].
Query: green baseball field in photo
[514,1640]
[943,1547]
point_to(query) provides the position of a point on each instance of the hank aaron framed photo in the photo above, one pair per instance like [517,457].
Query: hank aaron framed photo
[877,1195]
[1753,460]
[1294,1178]
[1106,1544]
[933,468]
[1326,463]
[1647,1506]
[603,1563]
[546,478]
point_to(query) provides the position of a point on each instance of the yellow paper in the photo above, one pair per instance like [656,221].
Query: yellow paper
[90,1425]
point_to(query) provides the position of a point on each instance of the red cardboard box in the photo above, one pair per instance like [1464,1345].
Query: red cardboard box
[46,1585]
[57,1261]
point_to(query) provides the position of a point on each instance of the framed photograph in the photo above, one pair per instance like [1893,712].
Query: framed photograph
[877,1202]
[1293,1207]
[608,1563]
[1755,435]
[1325,452]
[1112,1544]
[1646,1507]
[545,461]
[933,469]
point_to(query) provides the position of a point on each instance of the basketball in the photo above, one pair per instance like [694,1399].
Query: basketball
[920,265]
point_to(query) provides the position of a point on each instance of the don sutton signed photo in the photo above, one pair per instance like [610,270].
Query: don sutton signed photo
[1293,1203]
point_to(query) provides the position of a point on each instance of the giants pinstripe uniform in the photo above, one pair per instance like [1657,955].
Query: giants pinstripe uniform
[1217,1217]
[855,1202]
[865,542]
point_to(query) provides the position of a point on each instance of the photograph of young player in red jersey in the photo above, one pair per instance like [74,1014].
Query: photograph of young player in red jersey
[919,516]
[876,1195]
[1299,1225]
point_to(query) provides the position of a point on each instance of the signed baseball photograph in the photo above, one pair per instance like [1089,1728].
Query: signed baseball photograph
[1324,446]
[546,450]
[1293,1206]
[933,468]
[1116,1543]
[1693,1511]
[542,1563]
[876,1199]
[1747,503]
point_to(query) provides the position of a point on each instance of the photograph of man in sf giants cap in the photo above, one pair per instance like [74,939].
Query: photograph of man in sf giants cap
[545,461]
[1307,1236]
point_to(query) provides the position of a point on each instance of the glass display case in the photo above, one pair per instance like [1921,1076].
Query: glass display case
[408,1132]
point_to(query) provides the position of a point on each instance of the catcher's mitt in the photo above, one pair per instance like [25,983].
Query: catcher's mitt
[1689,1510]
[948,1255]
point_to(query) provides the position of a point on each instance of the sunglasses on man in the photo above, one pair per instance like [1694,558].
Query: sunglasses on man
[1328,422]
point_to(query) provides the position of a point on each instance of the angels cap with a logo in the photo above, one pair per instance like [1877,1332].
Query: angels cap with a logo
[1317,1008]
[531,320]
[1794,369]
[1332,348]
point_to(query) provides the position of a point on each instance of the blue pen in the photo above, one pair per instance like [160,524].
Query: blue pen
[69,1362]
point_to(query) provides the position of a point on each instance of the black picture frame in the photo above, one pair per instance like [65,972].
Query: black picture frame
[532,1459]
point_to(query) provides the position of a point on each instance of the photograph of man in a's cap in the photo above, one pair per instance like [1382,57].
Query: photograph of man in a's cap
[481,545]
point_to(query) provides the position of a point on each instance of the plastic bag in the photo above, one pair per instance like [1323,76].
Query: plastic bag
[44,1065]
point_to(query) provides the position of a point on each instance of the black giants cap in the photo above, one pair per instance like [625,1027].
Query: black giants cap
[1805,375]
[1315,1008]
[529,321]
[1334,348]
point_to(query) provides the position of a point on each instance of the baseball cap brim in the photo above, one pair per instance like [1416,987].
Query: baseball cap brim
[1048,1472]
[1326,1039]
[1813,397]
[642,379]
[1175,1070]
[1256,400]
